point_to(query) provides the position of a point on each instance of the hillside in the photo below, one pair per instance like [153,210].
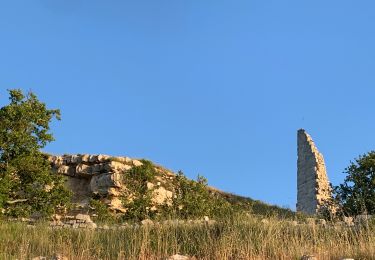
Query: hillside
[122,187]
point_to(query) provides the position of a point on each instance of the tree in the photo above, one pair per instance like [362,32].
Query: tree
[27,184]
[357,194]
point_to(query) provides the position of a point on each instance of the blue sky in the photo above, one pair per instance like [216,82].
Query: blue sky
[218,88]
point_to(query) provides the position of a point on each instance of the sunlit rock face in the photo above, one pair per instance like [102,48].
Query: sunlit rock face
[102,176]
[313,188]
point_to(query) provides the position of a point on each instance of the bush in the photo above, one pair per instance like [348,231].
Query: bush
[137,199]
[193,199]
[102,211]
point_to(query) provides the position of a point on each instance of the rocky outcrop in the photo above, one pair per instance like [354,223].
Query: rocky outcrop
[313,189]
[77,221]
[102,176]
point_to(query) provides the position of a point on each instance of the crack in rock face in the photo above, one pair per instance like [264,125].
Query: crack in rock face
[313,188]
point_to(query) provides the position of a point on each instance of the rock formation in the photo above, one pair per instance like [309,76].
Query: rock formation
[102,176]
[313,188]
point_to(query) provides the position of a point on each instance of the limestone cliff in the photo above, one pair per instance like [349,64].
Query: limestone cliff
[102,176]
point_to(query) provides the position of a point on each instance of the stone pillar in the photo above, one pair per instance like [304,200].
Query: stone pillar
[313,188]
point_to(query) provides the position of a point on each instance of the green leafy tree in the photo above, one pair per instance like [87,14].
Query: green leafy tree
[357,194]
[27,184]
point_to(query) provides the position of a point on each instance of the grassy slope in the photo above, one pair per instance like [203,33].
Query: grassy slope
[242,238]
[246,236]
[256,207]
[241,203]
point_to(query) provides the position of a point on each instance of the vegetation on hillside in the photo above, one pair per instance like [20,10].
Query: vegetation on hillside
[26,183]
[357,194]
[192,199]
[140,205]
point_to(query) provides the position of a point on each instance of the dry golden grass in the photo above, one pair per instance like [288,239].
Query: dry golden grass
[242,238]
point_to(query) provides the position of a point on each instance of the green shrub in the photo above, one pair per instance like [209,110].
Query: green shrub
[102,211]
[193,199]
[137,199]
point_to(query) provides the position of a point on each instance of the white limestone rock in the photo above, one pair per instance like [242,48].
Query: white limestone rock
[83,169]
[103,158]
[137,163]
[63,169]
[102,183]
[124,160]
[115,204]
[84,217]
[85,158]
[162,196]
[116,166]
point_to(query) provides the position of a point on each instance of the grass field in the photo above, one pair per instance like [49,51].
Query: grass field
[240,238]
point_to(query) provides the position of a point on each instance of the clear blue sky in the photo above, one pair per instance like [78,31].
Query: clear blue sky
[211,87]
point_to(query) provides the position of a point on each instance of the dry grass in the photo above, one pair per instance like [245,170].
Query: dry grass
[243,238]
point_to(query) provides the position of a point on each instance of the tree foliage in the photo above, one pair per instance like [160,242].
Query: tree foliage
[357,194]
[140,204]
[193,199]
[26,183]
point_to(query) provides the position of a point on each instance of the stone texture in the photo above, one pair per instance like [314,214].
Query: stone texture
[309,257]
[137,163]
[83,217]
[88,175]
[161,196]
[178,257]
[77,221]
[103,176]
[313,188]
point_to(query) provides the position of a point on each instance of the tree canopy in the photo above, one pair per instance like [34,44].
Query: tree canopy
[27,184]
[357,194]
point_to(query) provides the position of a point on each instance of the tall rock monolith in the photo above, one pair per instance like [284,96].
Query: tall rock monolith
[313,188]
